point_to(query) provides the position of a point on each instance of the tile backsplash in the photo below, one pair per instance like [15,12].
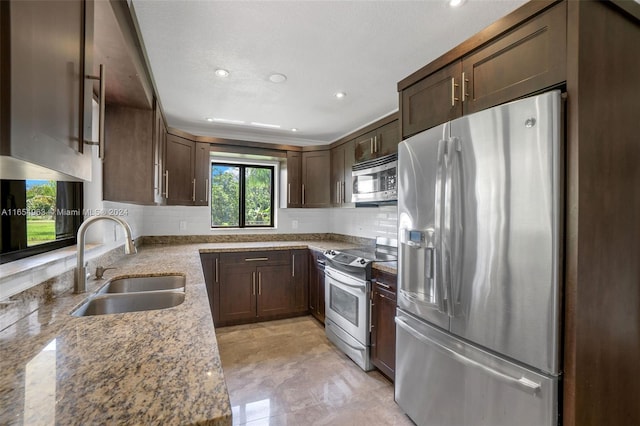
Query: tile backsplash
[182,220]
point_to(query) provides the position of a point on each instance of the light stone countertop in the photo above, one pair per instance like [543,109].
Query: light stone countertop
[151,367]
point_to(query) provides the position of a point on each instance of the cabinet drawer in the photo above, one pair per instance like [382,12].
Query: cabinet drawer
[257,258]
[529,58]
[385,281]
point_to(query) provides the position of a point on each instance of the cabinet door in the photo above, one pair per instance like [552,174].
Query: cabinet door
[159,148]
[316,286]
[300,279]
[210,263]
[363,147]
[529,58]
[432,101]
[294,179]
[275,293]
[42,107]
[388,139]
[179,171]
[337,175]
[202,174]
[342,158]
[316,166]
[128,159]
[238,289]
[383,331]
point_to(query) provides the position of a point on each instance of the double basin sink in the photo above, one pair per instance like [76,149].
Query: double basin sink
[134,294]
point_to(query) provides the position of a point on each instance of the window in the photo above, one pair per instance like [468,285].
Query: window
[242,195]
[38,216]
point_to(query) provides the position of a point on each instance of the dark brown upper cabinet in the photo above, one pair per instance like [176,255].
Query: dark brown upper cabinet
[202,174]
[133,137]
[342,158]
[528,58]
[377,143]
[431,101]
[180,185]
[316,167]
[45,51]
[294,179]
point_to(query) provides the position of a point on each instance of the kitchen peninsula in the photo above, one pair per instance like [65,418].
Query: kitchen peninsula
[159,366]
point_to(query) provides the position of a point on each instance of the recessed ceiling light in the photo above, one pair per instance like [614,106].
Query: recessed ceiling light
[294,130]
[271,126]
[340,95]
[222,73]
[277,78]
[226,120]
[455,3]
[209,119]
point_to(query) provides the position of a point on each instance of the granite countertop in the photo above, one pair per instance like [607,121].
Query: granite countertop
[151,367]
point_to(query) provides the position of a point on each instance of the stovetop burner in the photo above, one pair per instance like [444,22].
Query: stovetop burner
[361,257]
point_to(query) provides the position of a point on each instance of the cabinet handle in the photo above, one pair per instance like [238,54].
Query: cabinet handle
[259,283]
[381,284]
[464,87]
[453,92]
[303,193]
[166,184]
[217,270]
[100,143]
[344,189]
[375,143]
[288,193]
[370,316]
[253,282]
[193,193]
[206,190]
[293,265]
[371,145]
[255,259]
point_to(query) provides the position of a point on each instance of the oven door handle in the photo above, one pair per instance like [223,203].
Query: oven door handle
[359,286]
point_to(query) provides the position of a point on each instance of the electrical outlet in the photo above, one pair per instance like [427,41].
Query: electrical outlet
[183,225]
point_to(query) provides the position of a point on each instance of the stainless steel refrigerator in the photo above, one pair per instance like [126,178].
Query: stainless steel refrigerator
[478,319]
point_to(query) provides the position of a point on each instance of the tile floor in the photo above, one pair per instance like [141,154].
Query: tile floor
[287,373]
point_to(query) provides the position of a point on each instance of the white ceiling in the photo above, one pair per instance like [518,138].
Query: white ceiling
[360,47]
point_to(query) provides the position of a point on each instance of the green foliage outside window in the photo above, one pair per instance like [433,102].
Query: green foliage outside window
[241,195]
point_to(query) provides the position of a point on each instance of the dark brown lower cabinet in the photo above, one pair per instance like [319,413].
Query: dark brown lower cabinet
[316,285]
[237,292]
[275,294]
[383,327]
[253,286]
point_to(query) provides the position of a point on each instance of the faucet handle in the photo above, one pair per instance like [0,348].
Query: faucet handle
[100,272]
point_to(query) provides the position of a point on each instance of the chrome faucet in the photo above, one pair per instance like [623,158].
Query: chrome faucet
[81,268]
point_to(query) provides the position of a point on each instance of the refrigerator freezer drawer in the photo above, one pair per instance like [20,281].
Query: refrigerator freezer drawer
[355,350]
[442,381]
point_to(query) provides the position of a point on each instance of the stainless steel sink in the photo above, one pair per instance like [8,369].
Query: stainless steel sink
[129,302]
[137,284]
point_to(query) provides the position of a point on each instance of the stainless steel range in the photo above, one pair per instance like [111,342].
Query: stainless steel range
[347,297]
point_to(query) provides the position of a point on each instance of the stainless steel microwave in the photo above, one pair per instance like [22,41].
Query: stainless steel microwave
[375,181]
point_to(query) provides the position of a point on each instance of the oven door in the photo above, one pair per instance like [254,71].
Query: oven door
[346,303]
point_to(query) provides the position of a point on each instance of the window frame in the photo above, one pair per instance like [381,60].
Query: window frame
[242,165]
[71,239]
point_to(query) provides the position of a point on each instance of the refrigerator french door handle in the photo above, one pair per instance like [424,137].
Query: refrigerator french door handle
[452,218]
[437,236]
[522,382]
[443,223]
